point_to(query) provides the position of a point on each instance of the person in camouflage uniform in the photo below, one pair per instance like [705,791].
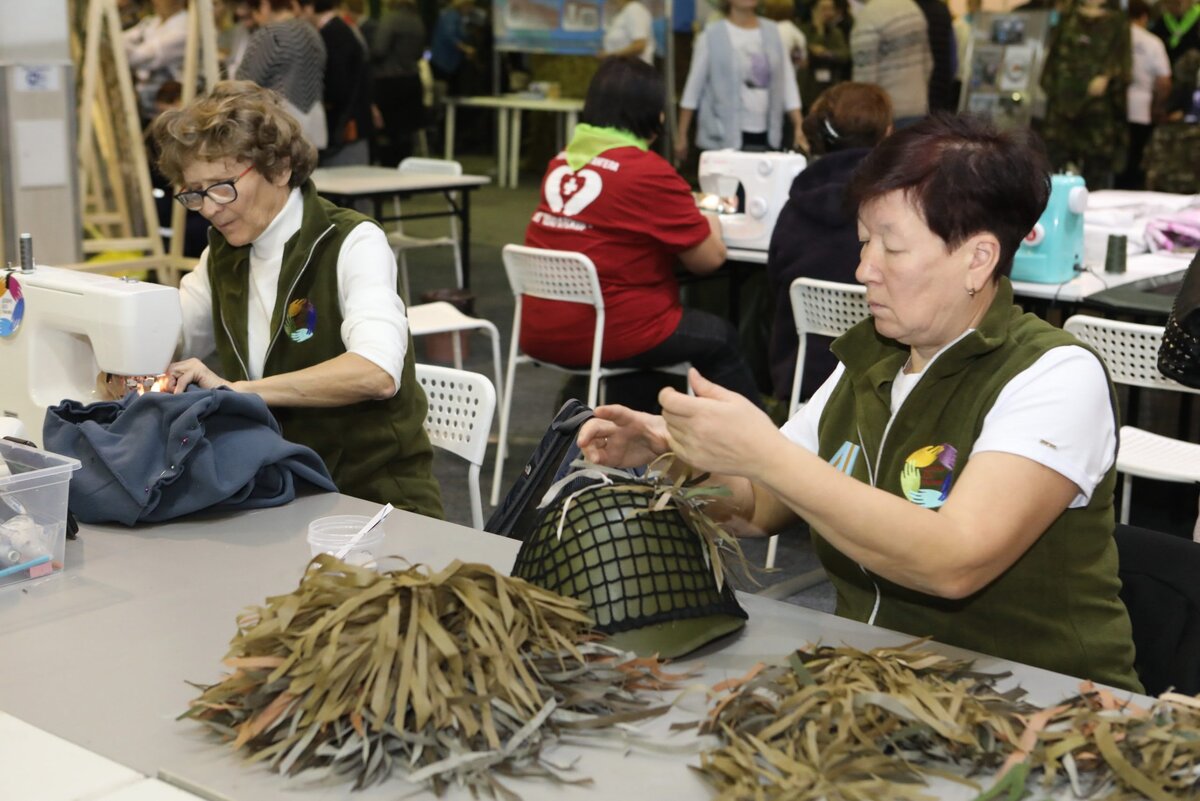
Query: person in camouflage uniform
[1170,161]
[828,52]
[1088,69]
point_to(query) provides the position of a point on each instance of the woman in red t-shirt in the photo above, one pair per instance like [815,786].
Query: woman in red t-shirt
[623,206]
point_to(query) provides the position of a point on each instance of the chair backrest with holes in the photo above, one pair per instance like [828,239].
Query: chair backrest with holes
[1129,349]
[826,308]
[461,407]
[553,275]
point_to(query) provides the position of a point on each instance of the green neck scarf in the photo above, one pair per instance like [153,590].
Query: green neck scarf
[1180,26]
[590,141]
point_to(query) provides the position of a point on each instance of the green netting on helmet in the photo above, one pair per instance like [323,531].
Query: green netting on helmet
[643,577]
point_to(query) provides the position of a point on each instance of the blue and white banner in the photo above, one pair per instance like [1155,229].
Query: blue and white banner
[575,27]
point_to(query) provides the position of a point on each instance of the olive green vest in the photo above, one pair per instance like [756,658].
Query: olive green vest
[1057,607]
[376,450]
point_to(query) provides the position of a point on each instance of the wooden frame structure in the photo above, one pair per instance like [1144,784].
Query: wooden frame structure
[116,195]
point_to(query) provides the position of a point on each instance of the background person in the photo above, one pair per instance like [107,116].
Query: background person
[828,52]
[957,470]
[347,86]
[1179,27]
[622,205]
[630,32]
[890,48]
[154,47]
[449,46]
[1149,87]
[397,45]
[286,54]
[816,235]
[739,86]
[1086,75]
[332,356]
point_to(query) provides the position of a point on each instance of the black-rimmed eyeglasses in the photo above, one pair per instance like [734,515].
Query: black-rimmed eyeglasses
[222,193]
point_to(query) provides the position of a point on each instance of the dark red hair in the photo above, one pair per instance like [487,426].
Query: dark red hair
[964,176]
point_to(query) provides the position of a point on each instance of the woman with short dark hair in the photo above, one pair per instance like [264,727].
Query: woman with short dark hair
[611,198]
[957,469]
[295,297]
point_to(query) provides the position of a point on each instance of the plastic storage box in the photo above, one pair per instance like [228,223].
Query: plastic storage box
[33,512]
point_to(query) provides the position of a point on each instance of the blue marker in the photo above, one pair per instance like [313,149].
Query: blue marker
[8,571]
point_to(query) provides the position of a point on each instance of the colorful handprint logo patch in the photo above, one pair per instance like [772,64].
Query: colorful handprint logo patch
[12,306]
[927,475]
[301,321]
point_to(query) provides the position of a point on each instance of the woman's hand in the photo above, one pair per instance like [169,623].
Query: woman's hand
[181,375]
[681,150]
[621,437]
[718,430]
[1097,86]
[799,142]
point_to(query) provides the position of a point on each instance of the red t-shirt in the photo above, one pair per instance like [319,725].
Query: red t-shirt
[631,214]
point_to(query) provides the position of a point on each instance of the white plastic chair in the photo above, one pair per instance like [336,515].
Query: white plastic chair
[1131,352]
[402,243]
[441,317]
[461,407]
[571,278]
[826,308]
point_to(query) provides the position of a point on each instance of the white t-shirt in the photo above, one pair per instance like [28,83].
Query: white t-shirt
[1057,412]
[374,323]
[1150,62]
[755,72]
[631,23]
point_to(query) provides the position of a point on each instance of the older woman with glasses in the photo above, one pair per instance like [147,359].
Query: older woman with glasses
[295,298]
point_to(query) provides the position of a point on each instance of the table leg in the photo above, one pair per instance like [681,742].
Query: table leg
[451,113]
[502,147]
[514,143]
[465,216]
[572,121]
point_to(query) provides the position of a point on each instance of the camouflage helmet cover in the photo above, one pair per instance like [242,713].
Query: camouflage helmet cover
[645,578]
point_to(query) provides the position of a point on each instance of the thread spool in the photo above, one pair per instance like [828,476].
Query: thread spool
[1114,257]
[26,253]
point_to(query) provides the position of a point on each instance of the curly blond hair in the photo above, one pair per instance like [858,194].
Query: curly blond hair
[237,120]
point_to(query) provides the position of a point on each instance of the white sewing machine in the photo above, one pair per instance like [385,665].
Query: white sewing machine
[765,179]
[59,329]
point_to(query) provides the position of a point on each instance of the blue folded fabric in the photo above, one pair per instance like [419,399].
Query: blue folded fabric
[161,456]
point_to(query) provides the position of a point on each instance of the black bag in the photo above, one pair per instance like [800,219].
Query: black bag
[1179,356]
[517,514]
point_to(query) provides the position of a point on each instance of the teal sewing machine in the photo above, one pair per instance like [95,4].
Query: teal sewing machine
[1053,251]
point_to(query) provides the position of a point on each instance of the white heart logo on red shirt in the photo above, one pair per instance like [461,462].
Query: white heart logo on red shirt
[570,192]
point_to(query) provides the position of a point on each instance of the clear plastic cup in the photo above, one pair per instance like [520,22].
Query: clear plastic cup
[330,534]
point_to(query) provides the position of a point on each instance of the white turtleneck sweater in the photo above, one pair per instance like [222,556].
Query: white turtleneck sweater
[374,323]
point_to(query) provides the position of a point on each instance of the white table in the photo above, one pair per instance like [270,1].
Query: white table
[1094,279]
[98,656]
[508,124]
[377,184]
[1083,285]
